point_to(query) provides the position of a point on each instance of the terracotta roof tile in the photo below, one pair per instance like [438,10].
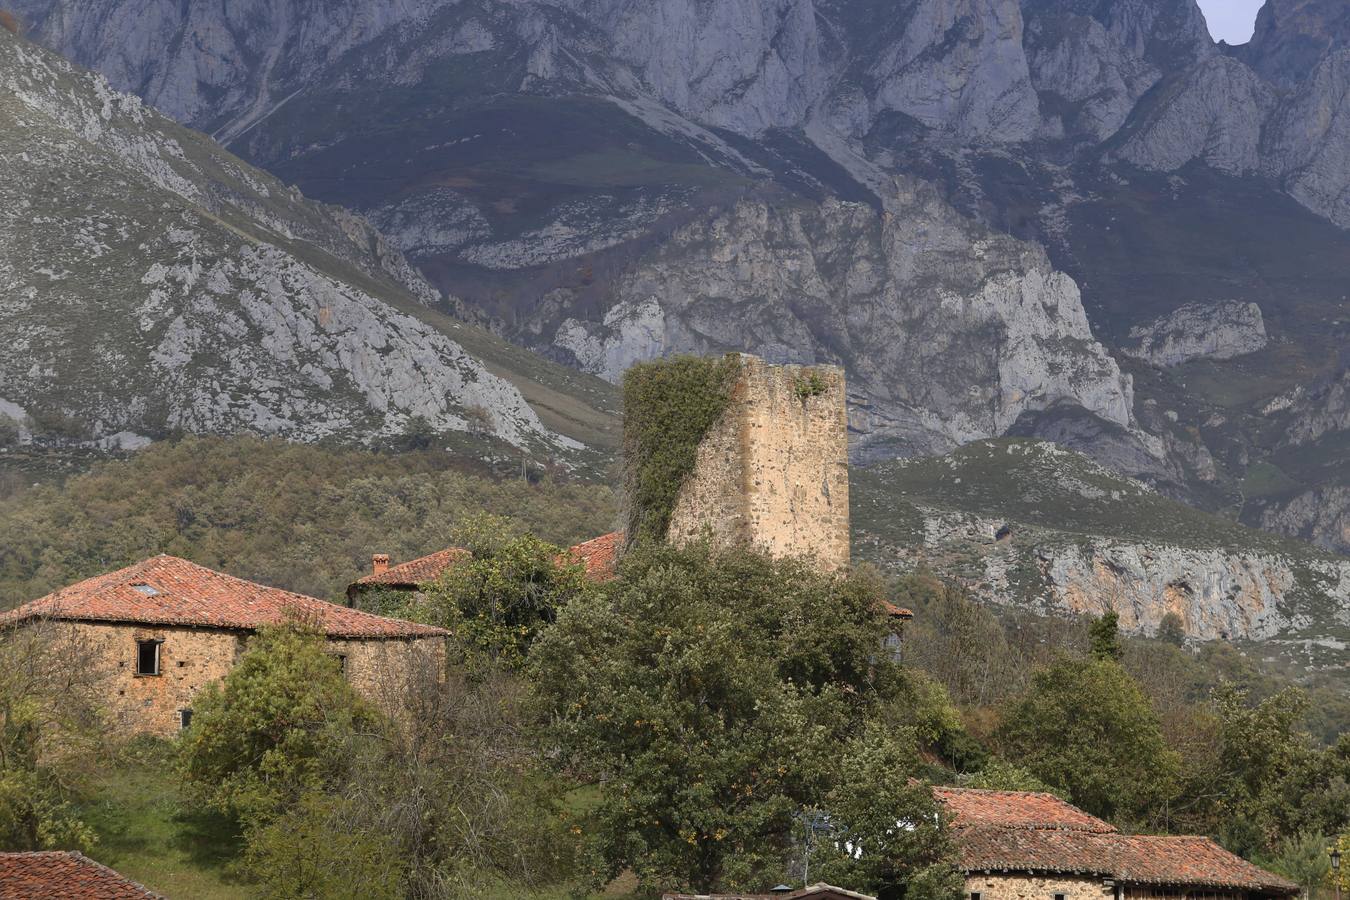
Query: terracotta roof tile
[165,590]
[1020,809]
[415,572]
[1138,859]
[600,555]
[64,875]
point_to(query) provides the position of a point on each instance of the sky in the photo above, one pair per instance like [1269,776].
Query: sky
[1231,20]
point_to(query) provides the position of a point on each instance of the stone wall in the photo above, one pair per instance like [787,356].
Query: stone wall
[191,658]
[773,472]
[1034,887]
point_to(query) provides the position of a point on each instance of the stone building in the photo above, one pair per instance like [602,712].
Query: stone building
[159,631]
[773,471]
[598,556]
[1016,845]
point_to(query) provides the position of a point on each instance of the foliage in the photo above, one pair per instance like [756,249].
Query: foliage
[1086,727]
[1000,775]
[1104,637]
[10,22]
[809,385]
[1171,630]
[310,851]
[50,737]
[886,828]
[708,692]
[299,517]
[283,723]
[1303,859]
[498,600]
[669,405]
[1268,779]
[1341,878]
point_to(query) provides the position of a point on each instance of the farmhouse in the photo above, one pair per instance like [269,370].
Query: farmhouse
[1015,845]
[161,630]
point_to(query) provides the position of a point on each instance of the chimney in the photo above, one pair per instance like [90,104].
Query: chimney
[379,563]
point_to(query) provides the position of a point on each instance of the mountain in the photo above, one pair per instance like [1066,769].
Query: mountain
[154,283]
[993,213]
[1029,524]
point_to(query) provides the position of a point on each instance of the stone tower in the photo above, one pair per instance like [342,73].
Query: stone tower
[773,471]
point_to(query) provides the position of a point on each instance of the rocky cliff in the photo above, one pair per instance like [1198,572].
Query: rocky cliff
[154,284]
[1195,331]
[1032,525]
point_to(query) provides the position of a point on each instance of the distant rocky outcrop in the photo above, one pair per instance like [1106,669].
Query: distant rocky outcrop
[1199,331]
[153,284]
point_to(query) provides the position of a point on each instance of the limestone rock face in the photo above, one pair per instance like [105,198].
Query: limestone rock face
[1308,141]
[1199,331]
[154,283]
[1293,36]
[1320,411]
[949,333]
[1321,516]
[1213,112]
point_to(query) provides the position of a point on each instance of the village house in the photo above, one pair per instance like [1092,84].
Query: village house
[598,555]
[64,875]
[159,631]
[1016,845]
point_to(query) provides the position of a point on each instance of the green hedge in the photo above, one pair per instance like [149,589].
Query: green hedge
[669,405]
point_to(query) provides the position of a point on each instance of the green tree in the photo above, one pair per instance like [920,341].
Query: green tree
[51,736]
[1000,775]
[499,599]
[1269,777]
[1084,726]
[1301,858]
[708,692]
[283,723]
[886,828]
[1104,637]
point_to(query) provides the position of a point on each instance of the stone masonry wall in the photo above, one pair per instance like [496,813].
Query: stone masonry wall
[773,472]
[1032,887]
[191,658]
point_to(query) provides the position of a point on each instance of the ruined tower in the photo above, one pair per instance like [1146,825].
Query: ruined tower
[773,471]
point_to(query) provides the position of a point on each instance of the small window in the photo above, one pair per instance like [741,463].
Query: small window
[147,657]
[1059,897]
[185,718]
[342,663]
[146,589]
[974,895]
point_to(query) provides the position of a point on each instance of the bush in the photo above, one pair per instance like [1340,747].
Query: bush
[10,22]
[283,723]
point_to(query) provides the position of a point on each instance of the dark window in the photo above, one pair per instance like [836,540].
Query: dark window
[974,895]
[342,662]
[147,657]
[1059,897]
[185,717]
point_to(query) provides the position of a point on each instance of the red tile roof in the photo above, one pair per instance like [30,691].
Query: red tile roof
[1137,859]
[600,555]
[1015,809]
[415,572]
[63,875]
[165,590]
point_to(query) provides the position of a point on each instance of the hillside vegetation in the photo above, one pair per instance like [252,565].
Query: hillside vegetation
[299,517]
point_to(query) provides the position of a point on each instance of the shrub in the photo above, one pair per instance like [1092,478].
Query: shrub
[10,22]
